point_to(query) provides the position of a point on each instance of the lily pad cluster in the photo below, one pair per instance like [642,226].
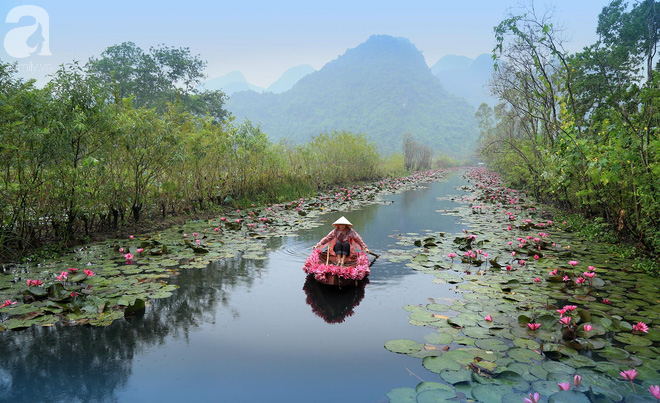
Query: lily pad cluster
[536,308]
[98,283]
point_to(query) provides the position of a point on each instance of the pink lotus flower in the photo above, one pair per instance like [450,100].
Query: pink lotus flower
[535,398]
[488,318]
[655,391]
[640,327]
[533,326]
[565,320]
[128,256]
[8,303]
[89,273]
[564,386]
[573,262]
[34,283]
[588,328]
[577,379]
[628,375]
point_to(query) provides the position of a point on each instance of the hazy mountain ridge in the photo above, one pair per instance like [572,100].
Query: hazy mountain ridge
[382,88]
[467,78]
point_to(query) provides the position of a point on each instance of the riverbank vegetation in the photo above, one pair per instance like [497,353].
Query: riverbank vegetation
[581,130]
[128,139]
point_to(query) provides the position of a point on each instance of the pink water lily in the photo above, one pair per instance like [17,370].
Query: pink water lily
[607,301]
[564,386]
[554,272]
[535,398]
[591,268]
[451,255]
[629,375]
[72,269]
[217,229]
[537,280]
[131,237]
[565,320]
[655,391]
[580,280]
[140,250]
[128,256]
[589,274]
[488,318]
[533,326]
[566,278]
[588,328]
[34,283]
[62,276]
[89,273]
[640,327]
[573,262]
[577,379]
[8,303]
[570,307]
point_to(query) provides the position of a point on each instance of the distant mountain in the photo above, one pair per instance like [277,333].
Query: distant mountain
[290,78]
[451,62]
[466,78]
[230,83]
[382,88]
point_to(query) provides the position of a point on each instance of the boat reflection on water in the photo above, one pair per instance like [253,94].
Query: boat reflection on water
[333,304]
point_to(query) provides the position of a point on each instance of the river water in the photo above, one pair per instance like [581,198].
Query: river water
[251,331]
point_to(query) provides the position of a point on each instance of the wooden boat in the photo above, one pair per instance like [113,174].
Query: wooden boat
[326,271]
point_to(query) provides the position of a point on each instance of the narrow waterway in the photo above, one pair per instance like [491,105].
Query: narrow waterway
[242,330]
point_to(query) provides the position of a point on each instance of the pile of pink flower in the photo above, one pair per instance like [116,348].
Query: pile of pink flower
[314,265]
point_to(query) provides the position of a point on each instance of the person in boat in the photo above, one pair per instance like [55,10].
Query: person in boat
[343,236]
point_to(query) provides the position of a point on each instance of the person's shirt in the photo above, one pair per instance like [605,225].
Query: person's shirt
[343,236]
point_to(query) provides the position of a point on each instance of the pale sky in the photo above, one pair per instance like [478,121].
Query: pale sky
[263,39]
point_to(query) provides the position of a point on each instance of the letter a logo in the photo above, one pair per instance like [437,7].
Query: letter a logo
[16,39]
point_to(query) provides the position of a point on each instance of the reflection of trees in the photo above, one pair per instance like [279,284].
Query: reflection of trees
[88,364]
[331,303]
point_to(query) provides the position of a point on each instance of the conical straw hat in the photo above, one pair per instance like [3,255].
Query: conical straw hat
[342,220]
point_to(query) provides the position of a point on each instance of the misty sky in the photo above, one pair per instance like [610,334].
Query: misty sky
[262,39]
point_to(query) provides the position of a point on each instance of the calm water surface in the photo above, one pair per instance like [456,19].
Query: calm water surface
[250,331]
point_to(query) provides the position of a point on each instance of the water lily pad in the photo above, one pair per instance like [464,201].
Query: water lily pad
[453,377]
[490,393]
[439,338]
[568,396]
[434,392]
[403,346]
[402,395]
[441,363]
[558,367]
[613,353]
[633,339]
[524,355]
